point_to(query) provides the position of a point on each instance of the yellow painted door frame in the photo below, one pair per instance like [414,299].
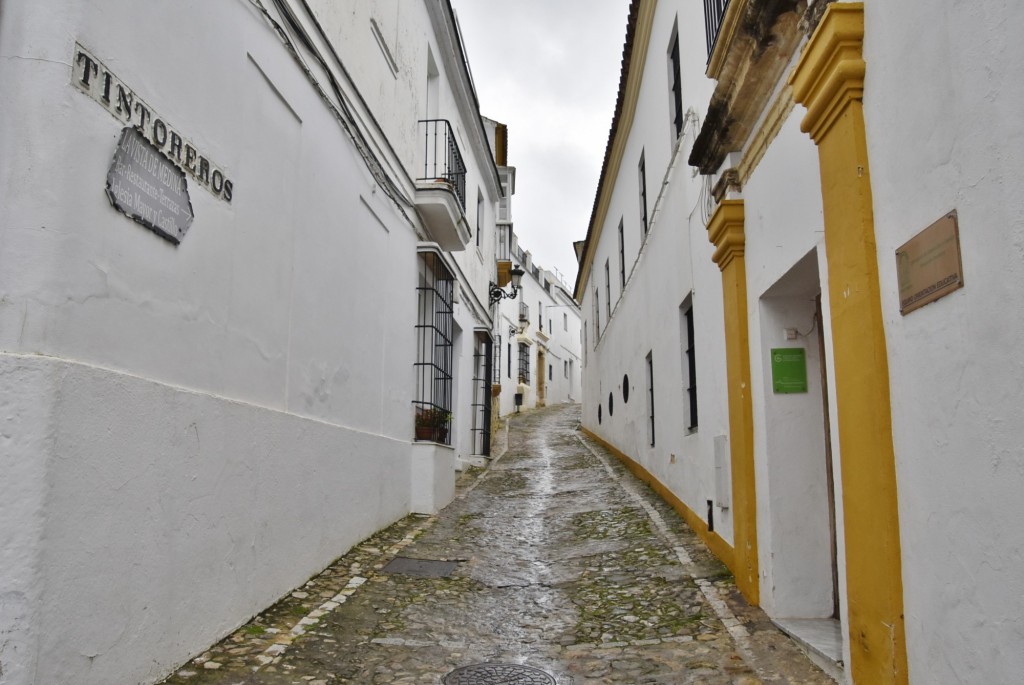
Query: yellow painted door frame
[829,81]
[726,231]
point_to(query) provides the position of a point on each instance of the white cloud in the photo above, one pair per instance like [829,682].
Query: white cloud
[549,69]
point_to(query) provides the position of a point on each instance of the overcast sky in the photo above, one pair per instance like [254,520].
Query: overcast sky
[549,69]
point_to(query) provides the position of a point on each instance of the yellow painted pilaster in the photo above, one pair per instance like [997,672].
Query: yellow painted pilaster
[725,230]
[829,81]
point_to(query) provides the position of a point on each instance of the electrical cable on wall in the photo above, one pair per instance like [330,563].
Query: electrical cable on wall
[340,109]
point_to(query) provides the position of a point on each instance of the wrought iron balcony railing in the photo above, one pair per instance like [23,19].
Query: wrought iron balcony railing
[714,11]
[442,159]
[524,312]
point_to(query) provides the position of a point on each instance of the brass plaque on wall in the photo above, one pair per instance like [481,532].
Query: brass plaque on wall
[928,265]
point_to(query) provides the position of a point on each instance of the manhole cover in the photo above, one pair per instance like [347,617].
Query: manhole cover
[497,674]
[421,568]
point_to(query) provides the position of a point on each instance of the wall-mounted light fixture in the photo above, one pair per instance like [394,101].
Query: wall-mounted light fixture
[497,293]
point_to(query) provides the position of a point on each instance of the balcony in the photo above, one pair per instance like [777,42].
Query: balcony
[441,187]
[524,312]
[714,12]
[750,45]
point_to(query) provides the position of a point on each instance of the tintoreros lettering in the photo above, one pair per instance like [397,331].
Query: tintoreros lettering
[94,79]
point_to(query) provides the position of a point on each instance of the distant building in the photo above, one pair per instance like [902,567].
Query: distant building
[537,325]
[802,253]
[538,336]
[245,256]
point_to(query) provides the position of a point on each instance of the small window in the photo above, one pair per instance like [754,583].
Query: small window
[524,363]
[675,83]
[608,289]
[565,322]
[622,258]
[625,389]
[611,404]
[566,365]
[650,397]
[551,372]
[642,172]
[690,362]
[479,215]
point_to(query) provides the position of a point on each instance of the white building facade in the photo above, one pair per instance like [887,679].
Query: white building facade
[816,172]
[243,248]
[538,341]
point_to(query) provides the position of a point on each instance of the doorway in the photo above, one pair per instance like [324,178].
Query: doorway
[800,561]
[541,385]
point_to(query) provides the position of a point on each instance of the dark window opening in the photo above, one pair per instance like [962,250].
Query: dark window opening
[691,370]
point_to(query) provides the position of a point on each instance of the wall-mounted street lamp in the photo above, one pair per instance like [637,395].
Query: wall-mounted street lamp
[497,293]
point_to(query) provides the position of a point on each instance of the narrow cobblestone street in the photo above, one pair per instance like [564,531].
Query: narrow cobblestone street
[563,562]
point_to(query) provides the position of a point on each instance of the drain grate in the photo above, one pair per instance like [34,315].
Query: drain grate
[421,568]
[497,674]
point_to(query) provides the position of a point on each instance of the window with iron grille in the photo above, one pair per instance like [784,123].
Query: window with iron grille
[482,365]
[434,330]
[509,351]
[642,173]
[524,363]
[650,397]
[608,288]
[690,360]
[479,215]
[622,258]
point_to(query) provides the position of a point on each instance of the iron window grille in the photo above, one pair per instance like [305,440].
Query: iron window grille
[482,367]
[524,363]
[442,160]
[691,367]
[650,397]
[622,257]
[642,171]
[608,288]
[434,330]
[524,312]
[714,12]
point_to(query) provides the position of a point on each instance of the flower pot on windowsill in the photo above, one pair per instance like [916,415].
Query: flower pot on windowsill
[432,424]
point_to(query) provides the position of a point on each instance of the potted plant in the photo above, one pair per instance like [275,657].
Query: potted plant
[432,423]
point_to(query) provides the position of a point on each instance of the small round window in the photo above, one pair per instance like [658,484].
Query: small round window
[611,407]
[625,389]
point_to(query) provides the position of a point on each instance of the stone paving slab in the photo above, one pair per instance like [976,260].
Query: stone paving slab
[565,562]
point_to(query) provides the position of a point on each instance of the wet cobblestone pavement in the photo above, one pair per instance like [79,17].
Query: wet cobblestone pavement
[565,563]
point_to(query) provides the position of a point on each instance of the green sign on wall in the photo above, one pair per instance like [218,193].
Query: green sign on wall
[789,370]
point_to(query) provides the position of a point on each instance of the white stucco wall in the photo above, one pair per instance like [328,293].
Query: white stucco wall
[671,266]
[207,424]
[942,101]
